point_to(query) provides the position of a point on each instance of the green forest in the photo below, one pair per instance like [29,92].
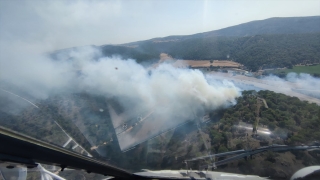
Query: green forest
[299,120]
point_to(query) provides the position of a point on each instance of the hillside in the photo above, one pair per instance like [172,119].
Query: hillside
[270,43]
[258,51]
[276,25]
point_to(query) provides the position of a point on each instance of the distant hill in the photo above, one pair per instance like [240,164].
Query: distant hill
[276,25]
[257,51]
[274,42]
[291,25]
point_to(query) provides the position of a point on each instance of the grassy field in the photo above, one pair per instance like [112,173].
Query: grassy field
[303,69]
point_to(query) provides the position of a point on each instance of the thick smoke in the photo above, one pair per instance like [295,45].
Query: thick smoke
[172,96]
[303,86]
[300,83]
[176,89]
[31,30]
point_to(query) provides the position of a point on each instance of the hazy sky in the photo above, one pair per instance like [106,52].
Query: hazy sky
[64,24]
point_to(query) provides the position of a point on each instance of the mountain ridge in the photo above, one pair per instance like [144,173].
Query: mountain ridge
[270,43]
[307,24]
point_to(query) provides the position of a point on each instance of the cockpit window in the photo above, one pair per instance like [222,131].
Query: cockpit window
[228,86]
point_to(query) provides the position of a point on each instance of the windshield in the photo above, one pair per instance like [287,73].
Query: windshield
[159,85]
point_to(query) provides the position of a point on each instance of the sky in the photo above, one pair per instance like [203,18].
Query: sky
[62,24]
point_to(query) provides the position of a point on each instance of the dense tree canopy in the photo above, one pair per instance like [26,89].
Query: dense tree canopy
[299,119]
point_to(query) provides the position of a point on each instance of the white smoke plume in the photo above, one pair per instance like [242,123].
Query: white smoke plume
[301,83]
[303,86]
[31,29]
[112,76]
[172,95]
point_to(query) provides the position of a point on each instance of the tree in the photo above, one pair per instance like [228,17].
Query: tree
[239,146]
[272,126]
[222,149]
[270,156]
